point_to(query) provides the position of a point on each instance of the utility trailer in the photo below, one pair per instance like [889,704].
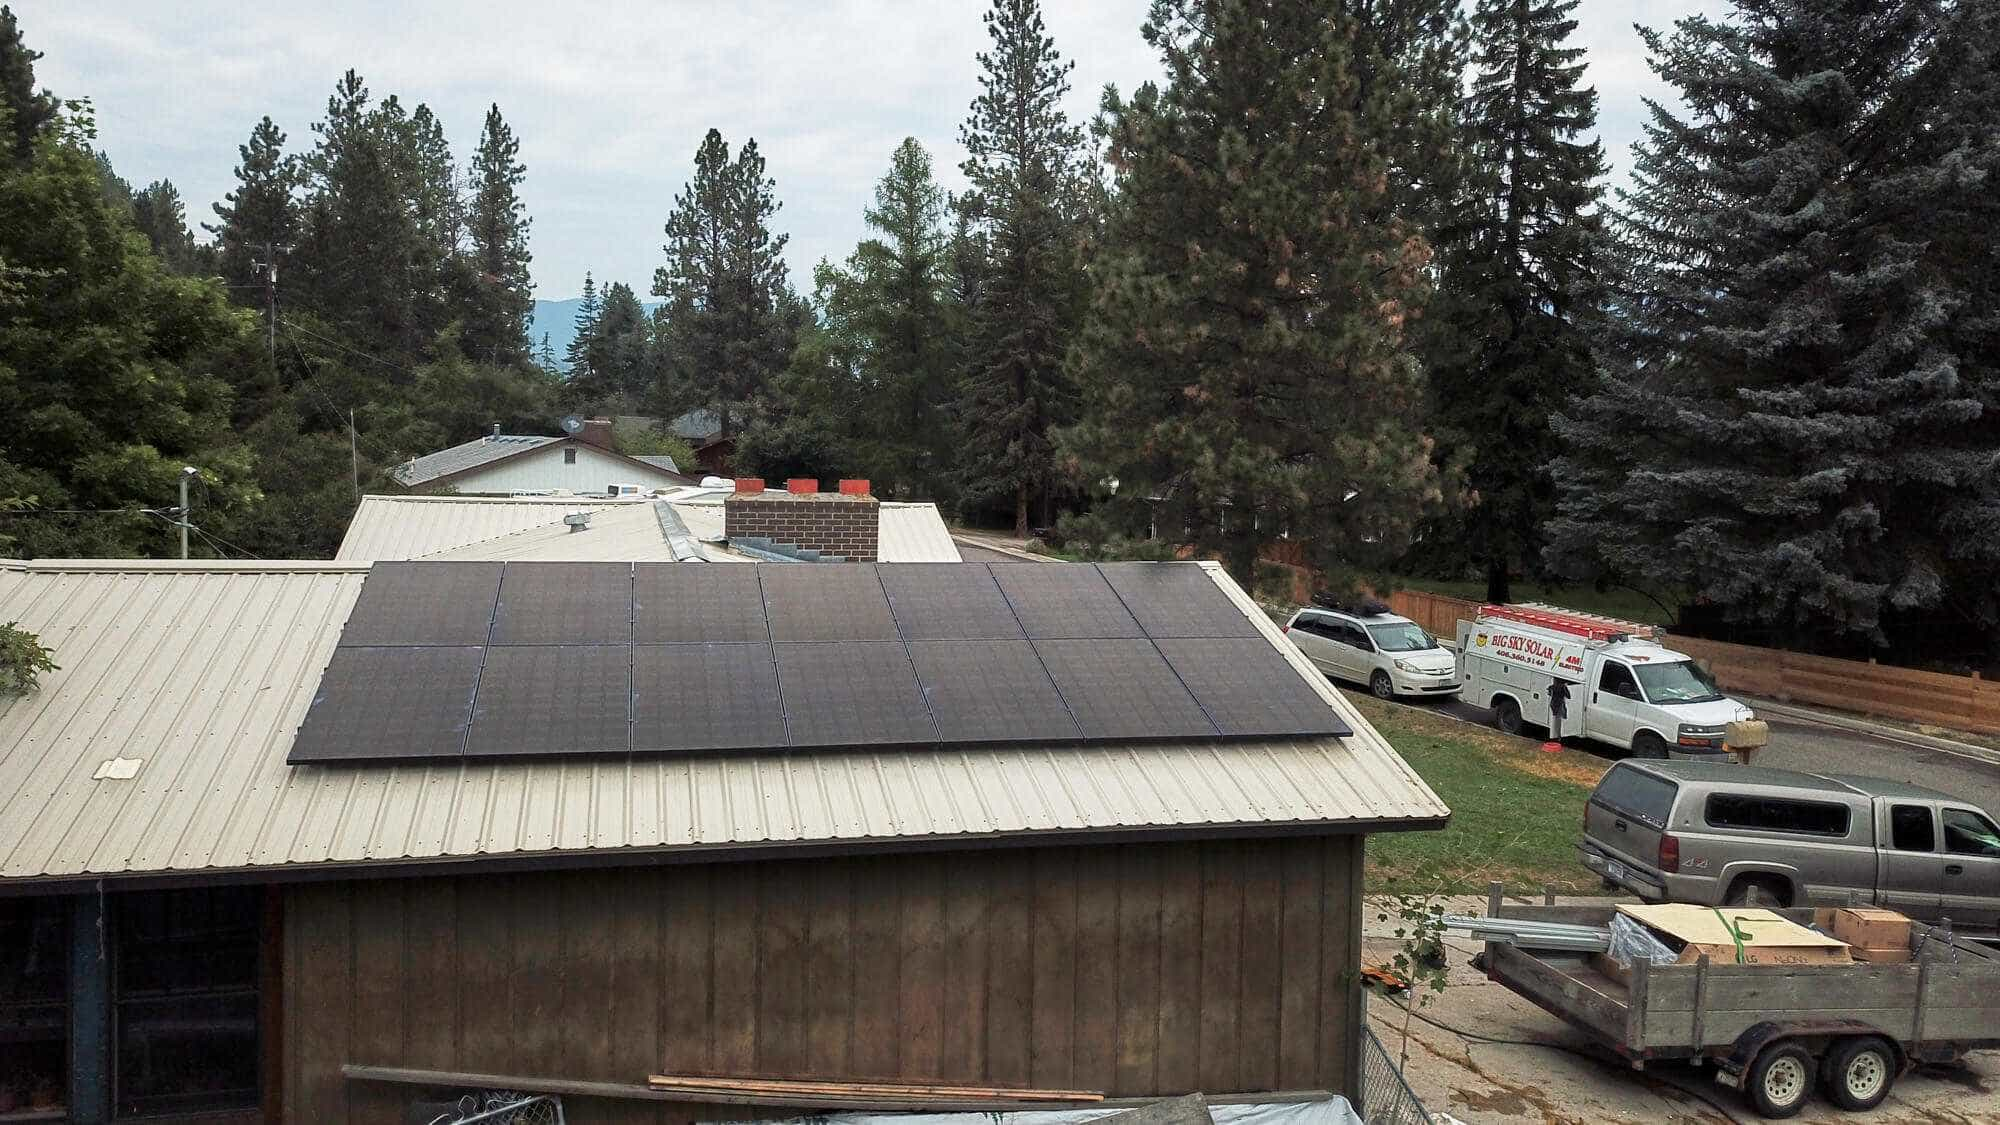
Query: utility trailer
[1772,1032]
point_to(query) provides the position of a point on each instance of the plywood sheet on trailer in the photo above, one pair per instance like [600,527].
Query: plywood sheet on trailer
[1757,936]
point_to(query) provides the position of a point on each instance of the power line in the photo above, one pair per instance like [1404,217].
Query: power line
[219,543]
[81,512]
[391,364]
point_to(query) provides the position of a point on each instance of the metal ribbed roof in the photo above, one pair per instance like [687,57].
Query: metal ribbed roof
[531,527]
[203,672]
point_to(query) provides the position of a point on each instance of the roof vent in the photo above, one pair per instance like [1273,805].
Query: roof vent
[577,521]
[496,432]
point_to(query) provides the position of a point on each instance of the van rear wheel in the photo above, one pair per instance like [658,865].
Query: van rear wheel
[1507,715]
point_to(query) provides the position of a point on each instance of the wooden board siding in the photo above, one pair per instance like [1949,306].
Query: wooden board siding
[1139,969]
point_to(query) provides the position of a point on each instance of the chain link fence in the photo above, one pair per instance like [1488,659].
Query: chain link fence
[1386,1099]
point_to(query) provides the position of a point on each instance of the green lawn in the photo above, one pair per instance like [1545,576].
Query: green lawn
[1629,605]
[1515,811]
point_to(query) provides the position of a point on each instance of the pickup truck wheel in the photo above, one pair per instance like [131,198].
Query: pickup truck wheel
[1859,1072]
[1754,892]
[1780,1080]
[1507,715]
[1646,744]
[1380,684]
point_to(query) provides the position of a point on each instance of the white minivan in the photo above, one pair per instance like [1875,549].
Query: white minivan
[1392,655]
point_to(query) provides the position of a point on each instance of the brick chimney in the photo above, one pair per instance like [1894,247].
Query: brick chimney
[597,432]
[846,523]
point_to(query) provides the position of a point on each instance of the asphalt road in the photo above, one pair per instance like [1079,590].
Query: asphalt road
[1797,745]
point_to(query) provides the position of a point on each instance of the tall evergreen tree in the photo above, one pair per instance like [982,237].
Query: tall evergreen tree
[1800,419]
[724,281]
[260,219]
[576,358]
[621,345]
[1245,366]
[1022,165]
[25,112]
[497,320]
[892,298]
[1504,342]
[160,215]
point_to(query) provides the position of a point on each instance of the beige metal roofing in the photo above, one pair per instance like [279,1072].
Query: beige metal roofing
[202,672]
[531,527]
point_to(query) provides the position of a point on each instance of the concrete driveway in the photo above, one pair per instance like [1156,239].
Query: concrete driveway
[1490,1056]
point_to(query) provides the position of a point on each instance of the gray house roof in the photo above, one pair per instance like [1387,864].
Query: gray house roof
[470,455]
[658,461]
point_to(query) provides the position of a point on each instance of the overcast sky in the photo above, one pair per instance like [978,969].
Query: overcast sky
[611,98]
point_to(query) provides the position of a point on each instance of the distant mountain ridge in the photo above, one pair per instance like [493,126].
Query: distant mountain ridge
[558,319]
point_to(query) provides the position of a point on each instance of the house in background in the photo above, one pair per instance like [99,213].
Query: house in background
[585,463]
[1077,897]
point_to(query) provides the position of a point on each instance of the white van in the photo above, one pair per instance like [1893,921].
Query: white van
[1369,645]
[1625,688]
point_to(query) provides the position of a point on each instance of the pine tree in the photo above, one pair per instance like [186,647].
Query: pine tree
[260,219]
[25,112]
[1022,165]
[545,355]
[1800,419]
[576,358]
[160,215]
[724,282]
[891,299]
[1505,346]
[621,345]
[497,321]
[1245,366]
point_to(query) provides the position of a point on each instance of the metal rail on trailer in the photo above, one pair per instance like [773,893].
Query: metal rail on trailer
[1772,1031]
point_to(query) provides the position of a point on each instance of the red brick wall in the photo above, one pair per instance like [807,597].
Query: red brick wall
[831,522]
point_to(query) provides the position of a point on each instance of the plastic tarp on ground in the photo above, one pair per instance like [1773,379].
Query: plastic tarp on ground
[1331,1111]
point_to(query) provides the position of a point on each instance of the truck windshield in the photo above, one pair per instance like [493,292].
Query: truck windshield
[1401,636]
[1679,682]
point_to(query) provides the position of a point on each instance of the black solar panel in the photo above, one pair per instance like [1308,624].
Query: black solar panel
[564,604]
[552,699]
[826,602]
[685,602]
[1249,688]
[855,694]
[1064,601]
[376,703]
[865,655]
[1123,689]
[947,601]
[705,697]
[1176,599]
[424,603]
[991,691]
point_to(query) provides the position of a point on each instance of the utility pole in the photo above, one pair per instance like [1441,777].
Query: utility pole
[353,455]
[269,267]
[187,474]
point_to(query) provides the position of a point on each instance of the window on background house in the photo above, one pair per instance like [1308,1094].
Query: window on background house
[569,455]
[185,1000]
[34,1009]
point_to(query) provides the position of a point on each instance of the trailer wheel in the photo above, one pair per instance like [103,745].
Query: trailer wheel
[1507,715]
[1781,1080]
[1859,1072]
[1380,684]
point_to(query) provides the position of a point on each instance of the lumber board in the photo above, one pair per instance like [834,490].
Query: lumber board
[832,1088]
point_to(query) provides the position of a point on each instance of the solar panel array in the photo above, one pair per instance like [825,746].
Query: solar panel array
[491,660]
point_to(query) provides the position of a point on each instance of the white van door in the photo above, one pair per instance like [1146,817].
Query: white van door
[1612,711]
[1311,633]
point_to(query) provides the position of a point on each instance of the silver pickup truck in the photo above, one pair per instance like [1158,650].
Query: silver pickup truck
[1716,834]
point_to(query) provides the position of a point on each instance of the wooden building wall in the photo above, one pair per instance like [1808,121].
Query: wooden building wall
[1225,966]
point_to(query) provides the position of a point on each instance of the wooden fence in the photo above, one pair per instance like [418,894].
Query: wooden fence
[1957,702]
